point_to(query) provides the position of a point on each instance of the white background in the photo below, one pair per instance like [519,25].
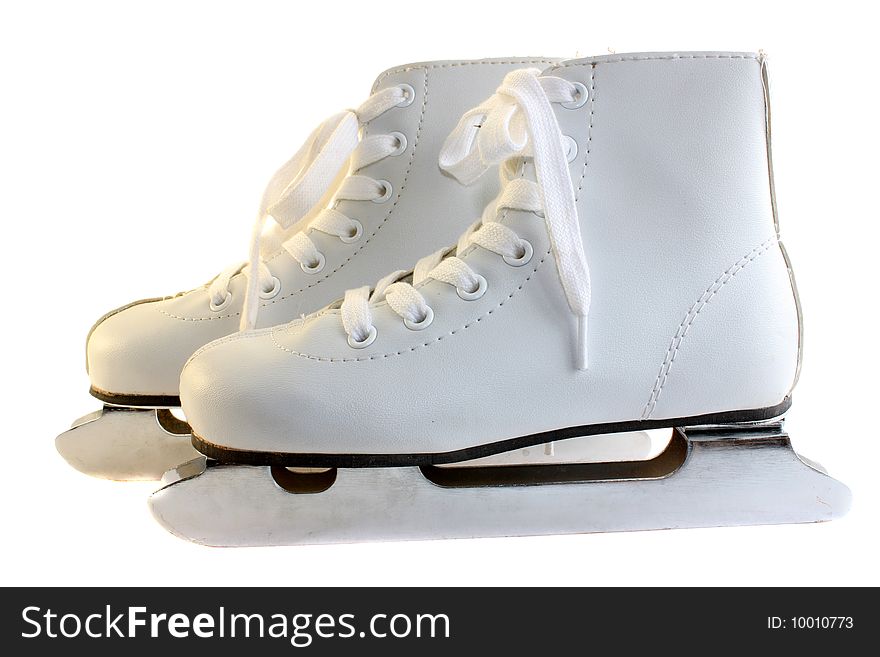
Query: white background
[135,140]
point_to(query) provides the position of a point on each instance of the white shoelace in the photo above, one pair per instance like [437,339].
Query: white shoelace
[517,122]
[299,186]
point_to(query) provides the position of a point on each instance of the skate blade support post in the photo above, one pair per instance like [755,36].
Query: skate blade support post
[126,443]
[722,475]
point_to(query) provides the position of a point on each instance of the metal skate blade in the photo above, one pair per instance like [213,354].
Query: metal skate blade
[706,479]
[126,443]
[630,446]
[187,470]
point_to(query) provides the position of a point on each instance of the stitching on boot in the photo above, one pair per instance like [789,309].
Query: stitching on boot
[474,62]
[479,319]
[691,317]
[652,58]
[580,186]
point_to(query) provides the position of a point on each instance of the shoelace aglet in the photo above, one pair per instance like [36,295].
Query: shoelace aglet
[582,355]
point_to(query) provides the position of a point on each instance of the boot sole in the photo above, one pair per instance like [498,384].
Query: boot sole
[135,401]
[230,455]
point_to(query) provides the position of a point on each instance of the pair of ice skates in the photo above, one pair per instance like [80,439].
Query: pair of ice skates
[626,275]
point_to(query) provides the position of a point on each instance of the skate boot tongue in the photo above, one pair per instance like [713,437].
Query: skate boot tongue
[519,122]
[516,125]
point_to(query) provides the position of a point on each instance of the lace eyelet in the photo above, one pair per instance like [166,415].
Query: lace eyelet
[385,194]
[276,288]
[580,97]
[528,251]
[409,95]
[482,285]
[366,342]
[425,323]
[356,235]
[315,268]
[217,307]
[571,148]
[401,143]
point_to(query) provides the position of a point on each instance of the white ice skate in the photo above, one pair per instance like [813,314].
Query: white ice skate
[381,213]
[629,276]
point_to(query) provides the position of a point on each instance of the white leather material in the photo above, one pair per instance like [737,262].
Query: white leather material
[142,349]
[692,309]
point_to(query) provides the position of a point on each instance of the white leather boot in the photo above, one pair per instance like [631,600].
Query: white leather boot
[636,227]
[382,213]
[628,276]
